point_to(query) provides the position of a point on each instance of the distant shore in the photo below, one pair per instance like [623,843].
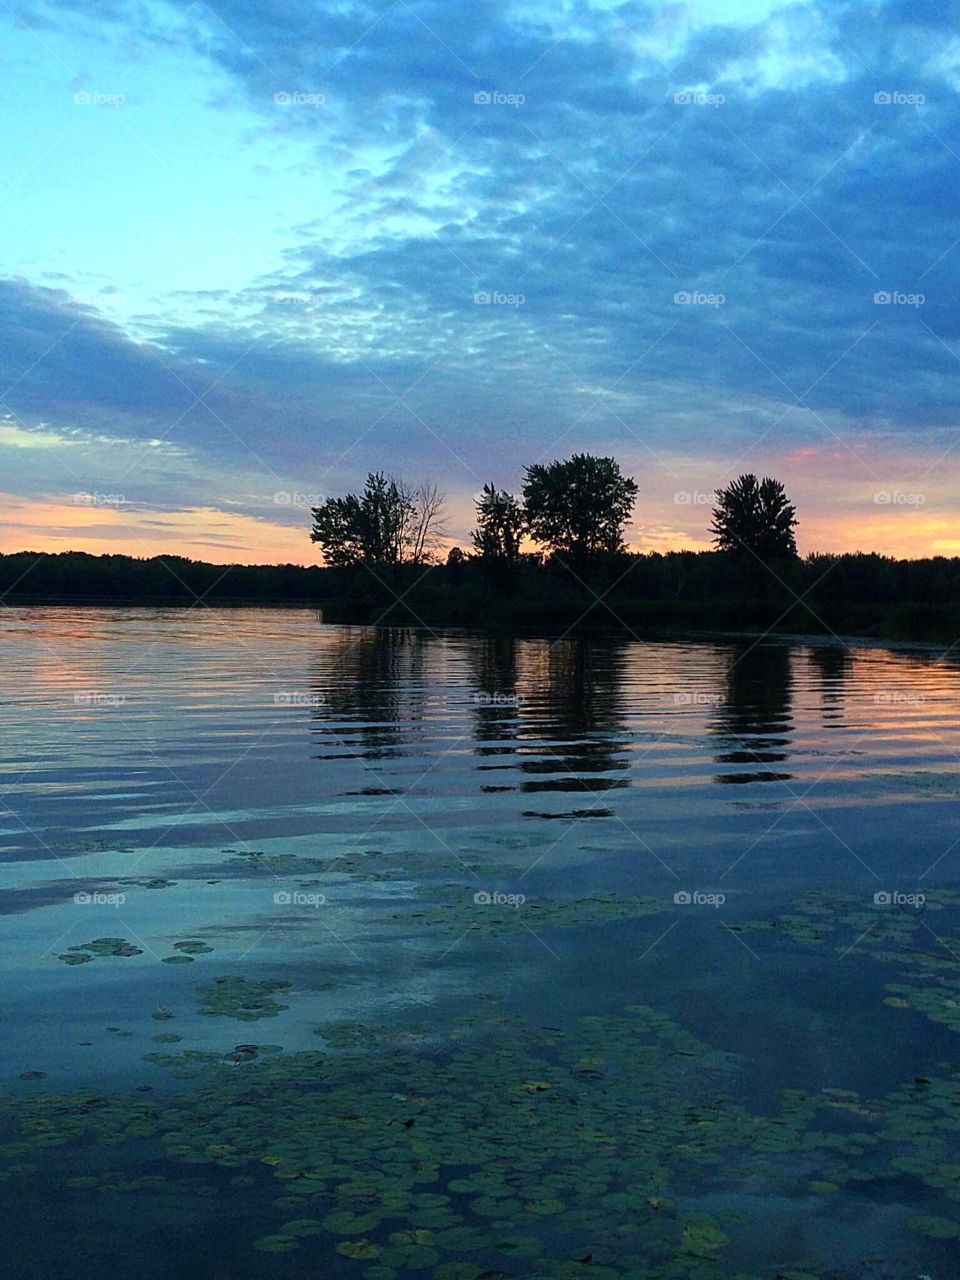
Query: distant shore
[850,598]
[891,635]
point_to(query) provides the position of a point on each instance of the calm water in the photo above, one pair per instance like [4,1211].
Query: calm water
[333,951]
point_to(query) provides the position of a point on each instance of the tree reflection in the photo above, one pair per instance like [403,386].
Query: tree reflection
[833,663]
[754,723]
[370,691]
[497,700]
[580,720]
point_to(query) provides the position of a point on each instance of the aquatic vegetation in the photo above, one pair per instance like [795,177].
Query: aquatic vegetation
[101,845]
[921,780]
[240,998]
[923,943]
[458,908]
[520,1150]
[928,1224]
[275,1244]
[701,1236]
[242,1053]
[98,949]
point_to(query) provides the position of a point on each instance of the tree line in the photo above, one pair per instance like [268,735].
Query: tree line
[575,510]
[553,555]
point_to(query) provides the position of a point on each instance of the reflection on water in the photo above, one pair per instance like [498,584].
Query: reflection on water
[371,685]
[580,724]
[834,663]
[390,953]
[754,722]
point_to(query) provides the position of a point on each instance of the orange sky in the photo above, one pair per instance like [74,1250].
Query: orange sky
[908,526]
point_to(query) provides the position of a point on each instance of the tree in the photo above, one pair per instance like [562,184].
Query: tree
[501,524]
[427,524]
[373,527]
[337,526]
[390,523]
[386,515]
[456,559]
[755,517]
[579,507]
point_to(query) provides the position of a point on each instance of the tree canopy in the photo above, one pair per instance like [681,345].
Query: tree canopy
[755,517]
[388,523]
[579,507]
[501,524]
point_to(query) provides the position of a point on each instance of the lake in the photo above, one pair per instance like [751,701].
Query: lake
[336,951]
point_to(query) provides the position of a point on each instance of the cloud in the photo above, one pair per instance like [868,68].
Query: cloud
[678,233]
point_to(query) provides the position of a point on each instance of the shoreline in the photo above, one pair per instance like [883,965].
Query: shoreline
[678,633]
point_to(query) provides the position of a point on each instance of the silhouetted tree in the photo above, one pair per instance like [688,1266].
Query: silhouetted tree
[456,559]
[501,525]
[427,524]
[338,527]
[579,507]
[755,516]
[388,523]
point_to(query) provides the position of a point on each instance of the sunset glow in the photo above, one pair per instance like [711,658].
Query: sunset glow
[710,239]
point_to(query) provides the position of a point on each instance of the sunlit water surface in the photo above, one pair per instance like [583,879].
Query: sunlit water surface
[330,951]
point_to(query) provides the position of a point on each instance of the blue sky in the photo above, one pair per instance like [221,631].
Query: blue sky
[259,250]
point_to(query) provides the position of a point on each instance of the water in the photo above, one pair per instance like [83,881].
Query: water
[592,929]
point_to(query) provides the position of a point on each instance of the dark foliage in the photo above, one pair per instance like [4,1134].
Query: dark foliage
[578,508]
[755,518]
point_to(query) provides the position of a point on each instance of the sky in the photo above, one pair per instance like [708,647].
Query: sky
[250,252]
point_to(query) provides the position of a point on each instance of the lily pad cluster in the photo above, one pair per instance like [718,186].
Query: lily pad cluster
[460,909]
[98,949]
[520,1150]
[241,998]
[369,865]
[922,943]
[187,950]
